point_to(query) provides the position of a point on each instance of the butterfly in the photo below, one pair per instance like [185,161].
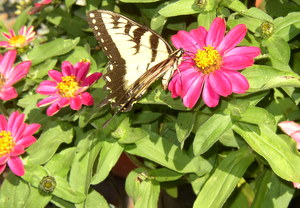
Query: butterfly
[137,55]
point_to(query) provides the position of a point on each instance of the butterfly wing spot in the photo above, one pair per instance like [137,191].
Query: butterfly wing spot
[94,21]
[92,15]
[108,79]
[96,28]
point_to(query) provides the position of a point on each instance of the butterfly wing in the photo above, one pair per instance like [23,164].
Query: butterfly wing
[132,49]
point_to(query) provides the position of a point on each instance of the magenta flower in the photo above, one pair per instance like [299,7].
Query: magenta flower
[9,75]
[15,136]
[293,130]
[24,37]
[210,63]
[68,87]
[39,6]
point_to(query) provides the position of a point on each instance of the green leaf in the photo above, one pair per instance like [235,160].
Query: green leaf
[159,96]
[21,21]
[82,168]
[235,5]
[47,144]
[279,52]
[164,152]
[139,1]
[35,174]
[41,70]
[144,191]
[272,192]
[287,27]
[206,18]
[95,200]
[69,3]
[60,163]
[184,125]
[266,77]
[224,179]
[186,7]
[281,154]
[210,132]
[164,174]
[109,155]
[56,47]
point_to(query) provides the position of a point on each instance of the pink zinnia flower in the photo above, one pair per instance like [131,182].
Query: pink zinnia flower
[293,130]
[24,37]
[210,63]
[15,136]
[39,6]
[9,75]
[68,87]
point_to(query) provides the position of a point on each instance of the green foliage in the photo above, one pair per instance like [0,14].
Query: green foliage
[232,155]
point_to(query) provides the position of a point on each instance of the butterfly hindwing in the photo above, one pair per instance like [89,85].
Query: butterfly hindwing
[136,55]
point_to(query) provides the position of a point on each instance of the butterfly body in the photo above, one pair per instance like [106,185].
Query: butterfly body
[137,57]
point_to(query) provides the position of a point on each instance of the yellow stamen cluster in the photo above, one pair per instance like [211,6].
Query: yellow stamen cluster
[208,60]
[18,41]
[68,86]
[2,80]
[7,142]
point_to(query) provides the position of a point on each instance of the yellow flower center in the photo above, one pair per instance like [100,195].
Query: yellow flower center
[68,86]
[2,81]
[208,60]
[18,41]
[7,142]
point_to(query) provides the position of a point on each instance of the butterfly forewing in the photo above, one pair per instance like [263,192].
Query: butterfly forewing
[132,49]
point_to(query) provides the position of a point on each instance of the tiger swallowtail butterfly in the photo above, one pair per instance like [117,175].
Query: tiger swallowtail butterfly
[137,55]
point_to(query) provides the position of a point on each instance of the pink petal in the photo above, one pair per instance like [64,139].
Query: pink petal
[16,166]
[210,98]
[19,72]
[48,101]
[216,32]
[8,93]
[296,185]
[7,61]
[188,79]
[249,51]
[220,83]
[3,123]
[18,150]
[87,99]
[237,62]
[15,120]
[67,68]
[4,44]
[53,109]
[76,103]
[63,102]
[91,79]
[238,82]
[199,34]
[2,168]
[55,75]
[47,88]
[296,137]
[289,127]
[4,159]
[27,141]
[175,86]
[192,95]
[81,70]
[233,38]
[31,129]
[184,40]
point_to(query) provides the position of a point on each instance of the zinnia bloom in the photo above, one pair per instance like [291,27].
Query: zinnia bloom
[24,37]
[15,136]
[9,75]
[210,63]
[293,130]
[39,6]
[68,87]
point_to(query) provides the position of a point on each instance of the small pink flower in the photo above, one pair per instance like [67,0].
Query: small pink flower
[293,130]
[39,6]
[68,87]
[15,136]
[210,63]
[9,75]
[24,37]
